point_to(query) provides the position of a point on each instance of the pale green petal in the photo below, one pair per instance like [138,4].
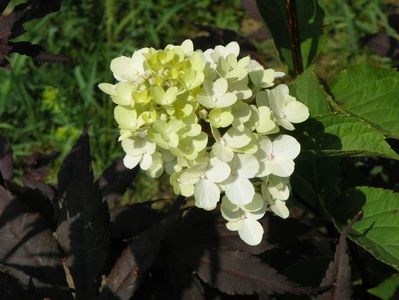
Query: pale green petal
[200,141]
[219,117]
[156,168]
[123,68]
[206,194]
[278,187]
[237,139]
[250,231]
[107,88]
[256,204]
[230,211]
[265,124]
[206,101]
[226,100]
[197,61]
[240,191]
[187,46]
[222,152]
[233,225]
[126,117]
[219,87]
[123,95]
[262,98]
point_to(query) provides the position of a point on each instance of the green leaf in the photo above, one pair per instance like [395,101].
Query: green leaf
[307,89]
[310,21]
[336,135]
[378,230]
[388,289]
[370,93]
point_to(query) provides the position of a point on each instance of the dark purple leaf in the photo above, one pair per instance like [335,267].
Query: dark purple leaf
[37,53]
[393,21]
[47,190]
[35,200]
[39,166]
[6,25]
[338,273]
[195,291]
[236,272]
[138,256]
[83,220]
[11,289]
[130,220]
[34,9]
[115,180]
[28,250]
[201,229]
[383,45]
[6,165]
[12,25]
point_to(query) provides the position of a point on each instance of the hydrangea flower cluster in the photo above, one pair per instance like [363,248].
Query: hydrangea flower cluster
[211,121]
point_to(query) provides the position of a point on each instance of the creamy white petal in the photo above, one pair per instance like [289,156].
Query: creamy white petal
[131,161]
[206,194]
[218,170]
[285,124]
[146,161]
[247,165]
[286,146]
[279,208]
[265,147]
[281,167]
[276,101]
[278,187]
[123,68]
[240,191]
[250,231]
[296,112]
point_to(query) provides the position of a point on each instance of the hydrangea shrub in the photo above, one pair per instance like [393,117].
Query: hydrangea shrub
[217,124]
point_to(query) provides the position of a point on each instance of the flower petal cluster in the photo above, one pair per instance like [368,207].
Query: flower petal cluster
[212,121]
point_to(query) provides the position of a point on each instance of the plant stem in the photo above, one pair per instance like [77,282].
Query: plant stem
[293,31]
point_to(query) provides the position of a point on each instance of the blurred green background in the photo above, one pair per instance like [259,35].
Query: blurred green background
[44,109]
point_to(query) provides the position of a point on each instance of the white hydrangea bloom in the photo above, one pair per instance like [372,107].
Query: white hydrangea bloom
[244,218]
[285,107]
[210,121]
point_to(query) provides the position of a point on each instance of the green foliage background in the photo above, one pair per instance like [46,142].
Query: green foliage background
[45,109]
